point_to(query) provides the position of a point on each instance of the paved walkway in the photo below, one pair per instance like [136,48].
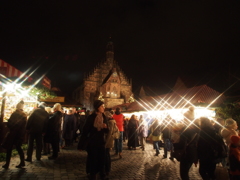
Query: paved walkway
[135,165]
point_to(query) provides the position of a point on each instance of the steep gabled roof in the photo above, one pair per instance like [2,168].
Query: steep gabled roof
[147,91]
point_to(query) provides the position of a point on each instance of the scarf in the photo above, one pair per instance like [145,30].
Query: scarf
[98,122]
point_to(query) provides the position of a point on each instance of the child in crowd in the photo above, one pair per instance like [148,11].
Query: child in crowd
[234,157]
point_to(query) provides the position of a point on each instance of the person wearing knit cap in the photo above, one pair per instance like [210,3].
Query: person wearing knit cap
[234,157]
[95,130]
[229,130]
[16,125]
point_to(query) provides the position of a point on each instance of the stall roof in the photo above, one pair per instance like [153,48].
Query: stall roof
[198,95]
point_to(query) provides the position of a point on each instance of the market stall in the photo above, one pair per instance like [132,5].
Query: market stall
[176,114]
[10,95]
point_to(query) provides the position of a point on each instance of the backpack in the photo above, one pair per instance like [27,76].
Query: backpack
[219,148]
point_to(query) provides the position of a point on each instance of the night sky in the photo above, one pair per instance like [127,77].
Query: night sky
[155,41]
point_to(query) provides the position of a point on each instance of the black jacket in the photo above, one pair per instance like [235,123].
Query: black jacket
[96,138]
[37,121]
[188,141]
[53,127]
[205,143]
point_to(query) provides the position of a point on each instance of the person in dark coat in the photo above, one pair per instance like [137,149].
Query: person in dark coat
[166,135]
[68,128]
[77,121]
[52,135]
[207,163]
[46,145]
[155,135]
[132,133]
[17,125]
[82,121]
[36,128]
[95,129]
[125,132]
[188,141]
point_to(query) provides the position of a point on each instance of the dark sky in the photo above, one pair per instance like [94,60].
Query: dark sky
[155,40]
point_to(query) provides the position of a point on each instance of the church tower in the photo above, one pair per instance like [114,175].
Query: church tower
[106,82]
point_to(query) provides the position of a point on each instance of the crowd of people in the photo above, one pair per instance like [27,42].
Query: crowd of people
[46,130]
[201,141]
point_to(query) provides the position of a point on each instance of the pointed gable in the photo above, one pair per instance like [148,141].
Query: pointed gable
[142,93]
[179,85]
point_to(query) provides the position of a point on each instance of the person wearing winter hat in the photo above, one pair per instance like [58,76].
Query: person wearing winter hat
[16,125]
[95,130]
[229,130]
[234,157]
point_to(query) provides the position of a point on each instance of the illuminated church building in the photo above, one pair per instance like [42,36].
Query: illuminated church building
[107,82]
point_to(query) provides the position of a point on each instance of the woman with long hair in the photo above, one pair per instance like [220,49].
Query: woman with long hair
[132,133]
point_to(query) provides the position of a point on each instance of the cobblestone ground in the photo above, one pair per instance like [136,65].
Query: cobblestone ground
[135,165]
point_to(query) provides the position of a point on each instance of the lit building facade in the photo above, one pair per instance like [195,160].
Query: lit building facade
[106,82]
